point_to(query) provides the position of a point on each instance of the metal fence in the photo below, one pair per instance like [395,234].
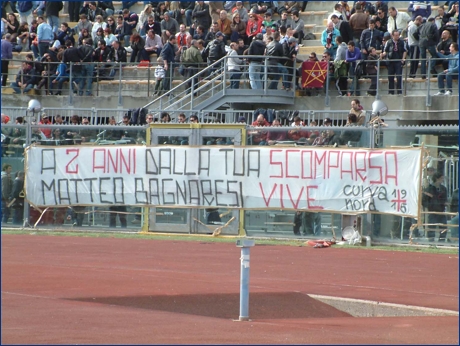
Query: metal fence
[125,78]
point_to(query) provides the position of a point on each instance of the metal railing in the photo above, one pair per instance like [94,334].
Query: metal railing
[123,78]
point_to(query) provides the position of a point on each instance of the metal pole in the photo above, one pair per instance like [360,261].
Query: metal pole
[244,285]
[245,245]
[377,87]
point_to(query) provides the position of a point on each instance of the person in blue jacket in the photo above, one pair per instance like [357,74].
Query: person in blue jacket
[449,74]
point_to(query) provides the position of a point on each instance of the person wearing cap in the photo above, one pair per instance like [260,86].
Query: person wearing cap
[257,47]
[216,49]
[327,122]
[242,120]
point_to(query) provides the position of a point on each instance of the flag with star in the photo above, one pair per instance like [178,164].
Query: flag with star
[314,74]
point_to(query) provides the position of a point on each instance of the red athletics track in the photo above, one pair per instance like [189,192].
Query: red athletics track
[75,290]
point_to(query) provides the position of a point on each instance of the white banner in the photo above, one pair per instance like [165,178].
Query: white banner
[328,179]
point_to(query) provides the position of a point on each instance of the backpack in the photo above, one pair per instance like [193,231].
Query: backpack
[310,36]
[24,6]
[360,69]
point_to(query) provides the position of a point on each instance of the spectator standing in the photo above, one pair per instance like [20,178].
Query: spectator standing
[454,209]
[371,69]
[168,56]
[52,9]
[26,9]
[397,20]
[395,51]
[201,16]
[72,59]
[359,21]
[192,61]
[435,199]
[74,10]
[86,52]
[7,55]
[18,195]
[414,45]
[344,28]
[214,9]
[450,73]
[45,36]
[428,40]
[341,67]
[216,48]
[159,76]
[234,65]
[275,50]
[7,189]
[311,223]
[257,47]
[352,56]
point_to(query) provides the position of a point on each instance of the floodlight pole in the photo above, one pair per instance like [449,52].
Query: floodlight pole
[245,246]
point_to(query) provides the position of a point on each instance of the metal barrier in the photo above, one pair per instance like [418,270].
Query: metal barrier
[125,78]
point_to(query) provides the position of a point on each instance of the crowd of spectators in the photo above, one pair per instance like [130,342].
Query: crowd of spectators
[101,34]
[373,32]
